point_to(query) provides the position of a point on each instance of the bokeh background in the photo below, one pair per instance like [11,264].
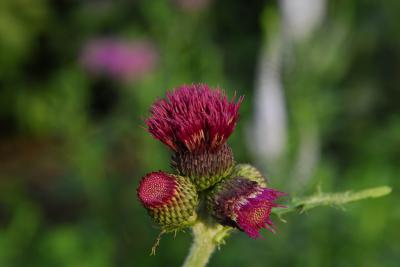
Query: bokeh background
[321,80]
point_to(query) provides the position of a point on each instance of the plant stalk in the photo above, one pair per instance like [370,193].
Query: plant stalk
[205,239]
[331,199]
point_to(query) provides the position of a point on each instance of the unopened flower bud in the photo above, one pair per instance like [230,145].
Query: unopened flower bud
[244,204]
[171,200]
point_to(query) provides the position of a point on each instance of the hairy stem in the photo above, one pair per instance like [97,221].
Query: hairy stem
[205,239]
[332,199]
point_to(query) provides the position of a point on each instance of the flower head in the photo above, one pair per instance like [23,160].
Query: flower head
[194,118]
[195,123]
[171,200]
[244,204]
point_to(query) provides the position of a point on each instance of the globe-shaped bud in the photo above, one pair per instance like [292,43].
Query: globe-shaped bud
[171,200]
[244,204]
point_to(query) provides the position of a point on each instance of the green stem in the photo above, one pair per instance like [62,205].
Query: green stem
[331,199]
[205,239]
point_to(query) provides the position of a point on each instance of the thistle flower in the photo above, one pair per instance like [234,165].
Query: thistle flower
[171,200]
[244,204]
[195,123]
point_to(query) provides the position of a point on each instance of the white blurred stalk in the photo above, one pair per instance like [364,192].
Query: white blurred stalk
[301,17]
[268,138]
[269,125]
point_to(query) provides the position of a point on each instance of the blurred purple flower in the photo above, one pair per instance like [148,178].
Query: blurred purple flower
[192,5]
[119,59]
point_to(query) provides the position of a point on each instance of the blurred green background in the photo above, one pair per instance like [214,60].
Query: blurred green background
[78,77]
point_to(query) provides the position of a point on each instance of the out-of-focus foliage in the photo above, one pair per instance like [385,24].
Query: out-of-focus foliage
[72,145]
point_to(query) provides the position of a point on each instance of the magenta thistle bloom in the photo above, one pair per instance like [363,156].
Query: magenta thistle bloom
[195,123]
[243,204]
[171,200]
[193,118]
